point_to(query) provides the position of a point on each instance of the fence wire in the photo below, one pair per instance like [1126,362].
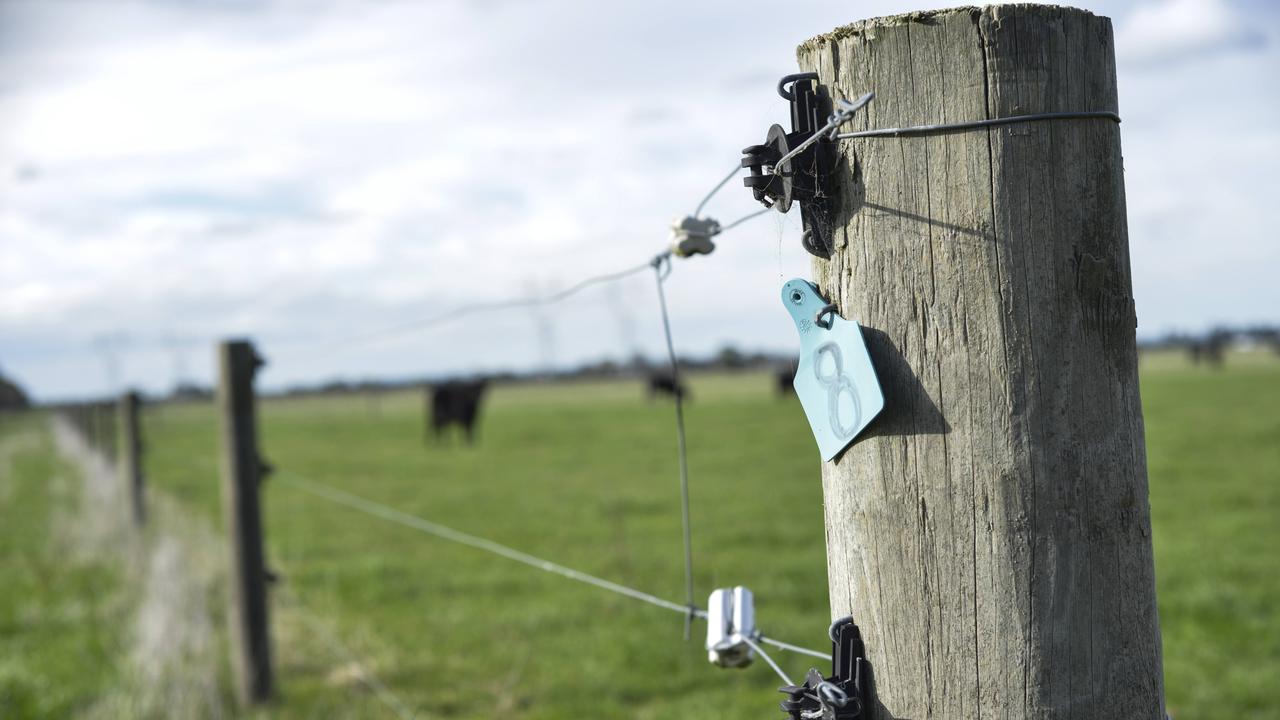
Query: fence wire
[444,532]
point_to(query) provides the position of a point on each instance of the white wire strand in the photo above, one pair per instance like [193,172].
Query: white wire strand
[794,648]
[443,531]
[840,117]
[447,533]
[681,449]
[744,218]
[736,169]
[760,651]
[514,303]
[465,310]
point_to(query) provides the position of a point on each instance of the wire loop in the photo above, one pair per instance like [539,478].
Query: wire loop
[788,79]
[828,309]
[832,694]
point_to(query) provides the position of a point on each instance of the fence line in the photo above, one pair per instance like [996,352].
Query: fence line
[661,263]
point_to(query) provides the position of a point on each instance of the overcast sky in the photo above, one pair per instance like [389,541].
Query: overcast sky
[172,172]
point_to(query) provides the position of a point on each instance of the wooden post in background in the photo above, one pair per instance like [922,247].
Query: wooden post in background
[97,427]
[130,460]
[106,411]
[241,477]
[991,533]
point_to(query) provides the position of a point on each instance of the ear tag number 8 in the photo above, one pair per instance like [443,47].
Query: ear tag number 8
[835,380]
[839,387]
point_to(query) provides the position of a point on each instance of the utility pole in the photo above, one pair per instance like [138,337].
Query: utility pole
[131,455]
[242,471]
[991,532]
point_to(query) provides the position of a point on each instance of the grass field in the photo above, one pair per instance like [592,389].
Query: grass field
[585,475]
[60,643]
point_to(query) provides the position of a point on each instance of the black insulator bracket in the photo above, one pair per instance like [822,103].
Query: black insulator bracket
[847,693]
[807,178]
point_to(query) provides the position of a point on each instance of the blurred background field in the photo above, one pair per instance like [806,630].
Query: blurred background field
[370,614]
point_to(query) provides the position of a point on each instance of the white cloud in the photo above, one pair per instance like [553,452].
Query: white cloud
[1175,30]
[294,170]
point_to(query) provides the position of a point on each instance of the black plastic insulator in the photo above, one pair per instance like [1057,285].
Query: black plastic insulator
[805,178]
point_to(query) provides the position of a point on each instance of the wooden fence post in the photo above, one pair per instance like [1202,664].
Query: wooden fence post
[991,532]
[241,476]
[94,416]
[105,411]
[131,455]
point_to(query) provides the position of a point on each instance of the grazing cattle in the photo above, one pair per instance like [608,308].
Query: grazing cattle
[786,381]
[455,403]
[785,378]
[1208,350]
[666,384]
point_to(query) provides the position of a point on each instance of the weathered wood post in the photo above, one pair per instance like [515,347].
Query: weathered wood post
[97,427]
[106,410]
[991,534]
[130,461]
[242,470]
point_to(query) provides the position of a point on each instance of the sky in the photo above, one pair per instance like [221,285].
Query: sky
[307,171]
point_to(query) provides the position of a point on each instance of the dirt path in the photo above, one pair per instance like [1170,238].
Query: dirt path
[174,659]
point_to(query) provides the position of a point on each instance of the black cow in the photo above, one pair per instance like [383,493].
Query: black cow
[785,378]
[455,402]
[666,384]
[786,382]
[1210,349]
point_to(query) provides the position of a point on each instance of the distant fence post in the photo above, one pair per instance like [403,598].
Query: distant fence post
[241,476]
[106,414]
[131,455]
[93,414]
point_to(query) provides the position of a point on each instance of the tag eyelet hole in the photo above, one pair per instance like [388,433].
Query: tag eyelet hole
[796,297]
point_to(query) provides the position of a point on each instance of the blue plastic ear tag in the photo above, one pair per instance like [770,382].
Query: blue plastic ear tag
[835,381]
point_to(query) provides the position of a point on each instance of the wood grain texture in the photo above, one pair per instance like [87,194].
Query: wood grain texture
[991,532]
[248,614]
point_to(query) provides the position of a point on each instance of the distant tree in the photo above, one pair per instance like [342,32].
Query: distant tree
[12,397]
[1265,336]
[190,391]
[730,357]
[1211,348]
[637,363]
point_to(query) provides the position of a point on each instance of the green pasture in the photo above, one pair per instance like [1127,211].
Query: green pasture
[60,639]
[585,474]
